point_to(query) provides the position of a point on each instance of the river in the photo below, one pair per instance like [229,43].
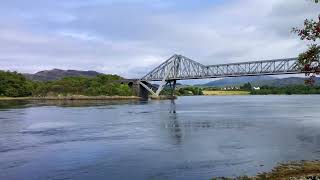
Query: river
[190,138]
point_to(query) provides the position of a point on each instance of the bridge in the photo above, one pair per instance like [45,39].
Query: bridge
[179,67]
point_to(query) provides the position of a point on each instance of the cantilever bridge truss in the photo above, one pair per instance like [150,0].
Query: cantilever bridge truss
[179,67]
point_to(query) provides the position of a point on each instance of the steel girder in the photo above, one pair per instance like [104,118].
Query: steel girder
[179,67]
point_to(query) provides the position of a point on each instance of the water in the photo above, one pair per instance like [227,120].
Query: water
[195,138]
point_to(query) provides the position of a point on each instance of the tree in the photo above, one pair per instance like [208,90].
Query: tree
[247,87]
[309,61]
[13,84]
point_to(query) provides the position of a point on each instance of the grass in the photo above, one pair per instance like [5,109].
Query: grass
[224,93]
[294,170]
[14,98]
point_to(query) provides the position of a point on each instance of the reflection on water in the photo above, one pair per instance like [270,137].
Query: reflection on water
[188,138]
[172,107]
[6,104]
[173,124]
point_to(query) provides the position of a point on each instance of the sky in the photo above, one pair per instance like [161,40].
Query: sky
[131,37]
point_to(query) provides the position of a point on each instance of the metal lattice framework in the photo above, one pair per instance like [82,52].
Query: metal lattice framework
[179,67]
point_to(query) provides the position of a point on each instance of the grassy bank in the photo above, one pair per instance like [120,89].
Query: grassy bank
[224,93]
[76,97]
[292,171]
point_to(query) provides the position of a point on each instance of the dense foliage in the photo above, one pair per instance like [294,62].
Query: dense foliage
[190,91]
[294,89]
[309,60]
[184,91]
[246,87]
[13,84]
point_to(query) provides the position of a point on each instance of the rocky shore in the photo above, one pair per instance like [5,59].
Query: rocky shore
[303,170]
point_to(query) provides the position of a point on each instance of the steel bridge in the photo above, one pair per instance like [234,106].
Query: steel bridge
[179,67]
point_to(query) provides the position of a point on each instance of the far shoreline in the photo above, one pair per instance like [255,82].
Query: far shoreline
[79,97]
[70,98]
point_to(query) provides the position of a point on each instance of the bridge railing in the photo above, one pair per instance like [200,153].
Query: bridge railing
[268,67]
[180,68]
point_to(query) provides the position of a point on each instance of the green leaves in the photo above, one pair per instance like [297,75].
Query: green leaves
[184,91]
[310,31]
[309,60]
[246,86]
[293,89]
[15,85]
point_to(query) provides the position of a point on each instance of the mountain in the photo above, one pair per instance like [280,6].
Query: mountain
[284,82]
[55,74]
[238,81]
[259,81]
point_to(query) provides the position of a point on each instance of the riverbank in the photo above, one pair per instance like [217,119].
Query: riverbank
[304,170]
[75,97]
[163,97]
[224,93]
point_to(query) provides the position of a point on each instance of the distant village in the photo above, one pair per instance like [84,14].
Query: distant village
[236,88]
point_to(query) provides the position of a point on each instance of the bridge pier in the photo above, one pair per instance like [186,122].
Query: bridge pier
[143,89]
[139,90]
[172,85]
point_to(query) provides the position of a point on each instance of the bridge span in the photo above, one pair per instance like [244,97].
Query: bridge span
[179,67]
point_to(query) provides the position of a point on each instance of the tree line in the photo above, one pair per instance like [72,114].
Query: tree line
[293,89]
[184,91]
[13,84]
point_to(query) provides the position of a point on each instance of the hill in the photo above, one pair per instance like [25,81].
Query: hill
[236,81]
[284,82]
[13,84]
[56,74]
[259,81]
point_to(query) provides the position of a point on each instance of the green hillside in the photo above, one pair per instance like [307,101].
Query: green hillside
[14,84]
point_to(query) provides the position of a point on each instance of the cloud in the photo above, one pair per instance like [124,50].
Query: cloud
[130,37]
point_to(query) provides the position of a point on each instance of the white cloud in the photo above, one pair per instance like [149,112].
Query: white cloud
[129,37]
